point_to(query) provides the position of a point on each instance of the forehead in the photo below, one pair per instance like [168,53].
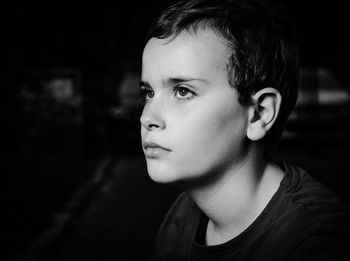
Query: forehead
[190,53]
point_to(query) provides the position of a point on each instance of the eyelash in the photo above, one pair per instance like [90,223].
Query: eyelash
[180,87]
[145,91]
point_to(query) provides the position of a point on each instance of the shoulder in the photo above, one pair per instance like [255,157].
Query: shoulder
[317,221]
[314,200]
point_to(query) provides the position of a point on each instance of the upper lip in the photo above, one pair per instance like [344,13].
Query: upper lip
[151,144]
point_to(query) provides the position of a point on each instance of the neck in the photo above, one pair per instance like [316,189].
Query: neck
[237,197]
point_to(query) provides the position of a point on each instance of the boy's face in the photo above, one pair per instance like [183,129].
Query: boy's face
[191,110]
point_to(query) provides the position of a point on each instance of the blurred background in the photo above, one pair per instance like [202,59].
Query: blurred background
[74,180]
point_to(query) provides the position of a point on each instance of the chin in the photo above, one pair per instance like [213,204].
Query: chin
[181,178]
[162,174]
[163,177]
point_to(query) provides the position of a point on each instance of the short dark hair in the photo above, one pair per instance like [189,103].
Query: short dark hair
[262,38]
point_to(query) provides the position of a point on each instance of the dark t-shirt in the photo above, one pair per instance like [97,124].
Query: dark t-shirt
[302,221]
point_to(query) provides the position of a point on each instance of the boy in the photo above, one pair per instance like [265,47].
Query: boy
[219,80]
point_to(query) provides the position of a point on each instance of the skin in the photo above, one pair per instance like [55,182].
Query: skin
[192,111]
[203,123]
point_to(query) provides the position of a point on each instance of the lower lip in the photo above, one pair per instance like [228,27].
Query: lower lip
[155,152]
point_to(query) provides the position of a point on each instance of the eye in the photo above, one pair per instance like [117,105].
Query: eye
[146,94]
[183,92]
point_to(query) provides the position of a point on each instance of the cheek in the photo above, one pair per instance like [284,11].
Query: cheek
[142,131]
[211,129]
[202,139]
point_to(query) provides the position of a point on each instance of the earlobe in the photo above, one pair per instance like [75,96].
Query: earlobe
[263,113]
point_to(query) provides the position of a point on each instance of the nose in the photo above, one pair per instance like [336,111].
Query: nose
[151,117]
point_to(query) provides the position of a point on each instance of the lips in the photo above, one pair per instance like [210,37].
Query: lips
[154,150]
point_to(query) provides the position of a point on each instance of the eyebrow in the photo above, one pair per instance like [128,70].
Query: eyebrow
[175,80]
[144,84]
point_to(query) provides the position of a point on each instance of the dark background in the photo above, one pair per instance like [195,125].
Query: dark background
[52,151]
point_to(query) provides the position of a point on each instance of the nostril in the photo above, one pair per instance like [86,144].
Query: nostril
[153,126]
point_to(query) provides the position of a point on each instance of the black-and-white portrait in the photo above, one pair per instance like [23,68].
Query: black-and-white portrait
[175,130]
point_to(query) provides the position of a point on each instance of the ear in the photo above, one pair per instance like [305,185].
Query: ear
[263,113]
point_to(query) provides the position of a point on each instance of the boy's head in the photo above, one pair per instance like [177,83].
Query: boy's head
[214,74]
[262,43]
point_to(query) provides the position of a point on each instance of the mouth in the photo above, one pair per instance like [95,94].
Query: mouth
[154,150]
[153,145]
